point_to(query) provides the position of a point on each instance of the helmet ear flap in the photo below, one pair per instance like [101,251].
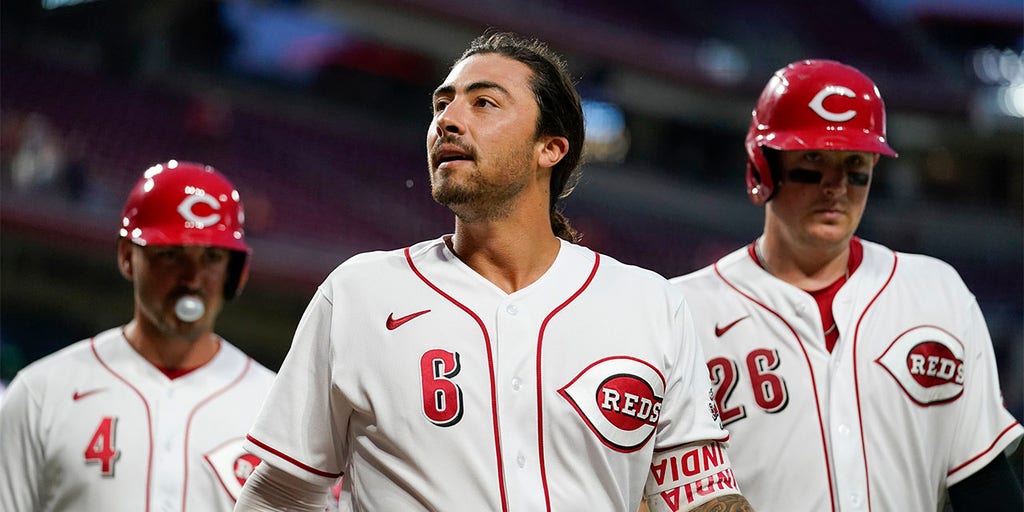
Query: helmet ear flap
[238,274]
[760,182]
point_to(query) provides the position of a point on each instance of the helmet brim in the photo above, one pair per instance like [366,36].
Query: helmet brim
[836,139]
[199,237]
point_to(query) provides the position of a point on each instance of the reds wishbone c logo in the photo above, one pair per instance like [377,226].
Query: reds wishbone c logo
[818,104]
[188,204]
[928,364]
[619,398]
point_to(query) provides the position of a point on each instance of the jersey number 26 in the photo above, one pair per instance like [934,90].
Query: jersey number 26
[769,389]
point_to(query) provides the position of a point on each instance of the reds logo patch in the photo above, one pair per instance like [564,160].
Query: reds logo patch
[232,465]
[928,363]
[619,398]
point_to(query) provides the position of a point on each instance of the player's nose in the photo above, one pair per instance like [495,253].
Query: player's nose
[833,181]
[449,121]
[190,270]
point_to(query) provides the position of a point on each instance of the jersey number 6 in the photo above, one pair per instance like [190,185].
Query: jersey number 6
[442,398]
[769,390]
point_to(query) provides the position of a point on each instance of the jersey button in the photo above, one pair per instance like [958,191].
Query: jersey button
[517,383]
[844,430]
[512,309]
[521,460]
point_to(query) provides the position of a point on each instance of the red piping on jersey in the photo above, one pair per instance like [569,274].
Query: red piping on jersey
[985,451]
[490,368]
[206,457]
[287,458]
[149,421]
[540,394]
[856,380]
[188,423]
[814,384]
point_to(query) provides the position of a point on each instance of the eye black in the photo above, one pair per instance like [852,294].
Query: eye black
[858,179]
[804,176]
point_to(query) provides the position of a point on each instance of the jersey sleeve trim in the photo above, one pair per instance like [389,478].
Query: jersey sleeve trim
[724,441]
[285,457]
[1014,426]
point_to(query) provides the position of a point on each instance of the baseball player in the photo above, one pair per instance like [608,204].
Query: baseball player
[502,367]
[851,376]
[149,416]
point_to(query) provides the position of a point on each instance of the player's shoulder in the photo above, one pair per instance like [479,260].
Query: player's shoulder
[255,371]
[625,277]
[73,359]
[706,278]
[913,265]
[375,265]
[77,353]
[611,266]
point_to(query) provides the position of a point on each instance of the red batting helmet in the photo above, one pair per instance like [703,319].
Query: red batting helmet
[185,203]
[813,105]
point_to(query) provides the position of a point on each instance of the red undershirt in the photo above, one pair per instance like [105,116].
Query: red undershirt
[174,373]
[825,296]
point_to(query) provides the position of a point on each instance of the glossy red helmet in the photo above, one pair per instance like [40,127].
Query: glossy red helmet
[185,203]
[813,105]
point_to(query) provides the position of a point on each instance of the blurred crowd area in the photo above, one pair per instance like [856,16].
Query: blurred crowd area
[317,111]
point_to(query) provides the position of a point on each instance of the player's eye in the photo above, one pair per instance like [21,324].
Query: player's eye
[215,255]
[168,253]
[812,156]
[440,104]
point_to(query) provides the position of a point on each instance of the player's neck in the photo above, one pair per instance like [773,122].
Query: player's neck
[807,268]
[171,352]
[510,253]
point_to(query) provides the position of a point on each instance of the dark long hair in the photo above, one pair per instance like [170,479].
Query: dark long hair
[561,113]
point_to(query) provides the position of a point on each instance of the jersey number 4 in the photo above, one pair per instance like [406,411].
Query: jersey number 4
[769,390]
[101,449]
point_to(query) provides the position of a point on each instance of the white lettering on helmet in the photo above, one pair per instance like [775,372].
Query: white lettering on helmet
[817,104]
[186,206]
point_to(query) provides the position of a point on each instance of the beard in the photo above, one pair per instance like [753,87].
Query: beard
[476,199]
[475,196]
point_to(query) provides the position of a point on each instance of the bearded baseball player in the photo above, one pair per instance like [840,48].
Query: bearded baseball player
[502,367]
[149,416]
[851,376]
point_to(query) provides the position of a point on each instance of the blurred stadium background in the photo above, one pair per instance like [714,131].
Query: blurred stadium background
[317,111]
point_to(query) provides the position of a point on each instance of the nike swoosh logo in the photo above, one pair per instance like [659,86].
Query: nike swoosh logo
[394,323]
[719,331]
[78,396]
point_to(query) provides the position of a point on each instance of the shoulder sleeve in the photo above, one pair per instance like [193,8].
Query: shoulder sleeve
[302,426]
[21,451]
[985,427]
[688,413]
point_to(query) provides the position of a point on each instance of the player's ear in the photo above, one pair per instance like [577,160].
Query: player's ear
[552,150]
[124,258]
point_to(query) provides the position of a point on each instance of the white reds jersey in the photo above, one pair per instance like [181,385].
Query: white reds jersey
[97,427]
[907,404]
[433,389]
